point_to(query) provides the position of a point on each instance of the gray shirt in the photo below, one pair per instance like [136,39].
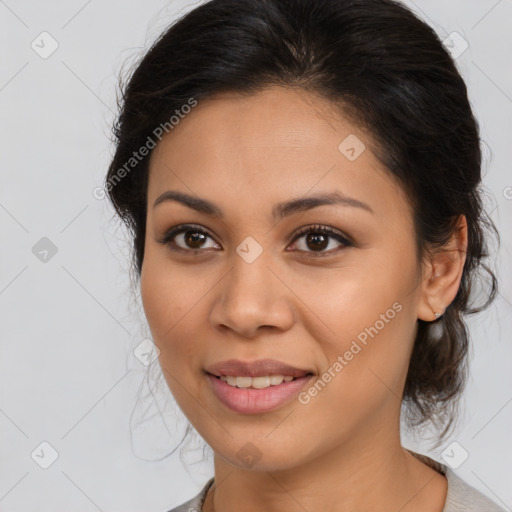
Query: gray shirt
[460,497]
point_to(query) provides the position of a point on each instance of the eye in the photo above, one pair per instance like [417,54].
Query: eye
[187,238]
[190,238]
[318,238]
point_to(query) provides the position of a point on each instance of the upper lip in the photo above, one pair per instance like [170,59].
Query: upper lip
[258,368]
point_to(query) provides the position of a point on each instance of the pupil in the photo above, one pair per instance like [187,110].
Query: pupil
[318,240]
[192,238]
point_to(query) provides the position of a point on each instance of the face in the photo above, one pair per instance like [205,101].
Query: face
[330,289]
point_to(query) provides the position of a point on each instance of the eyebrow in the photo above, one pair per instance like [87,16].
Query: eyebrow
[280,210]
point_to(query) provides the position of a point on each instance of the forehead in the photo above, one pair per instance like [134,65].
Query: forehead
[271,145]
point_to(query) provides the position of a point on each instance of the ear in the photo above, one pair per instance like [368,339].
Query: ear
[442,273]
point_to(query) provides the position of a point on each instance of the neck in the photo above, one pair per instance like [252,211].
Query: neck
[365,474]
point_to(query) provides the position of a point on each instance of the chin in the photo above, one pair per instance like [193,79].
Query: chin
[264,453]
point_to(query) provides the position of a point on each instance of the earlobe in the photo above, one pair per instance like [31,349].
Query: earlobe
[443,274]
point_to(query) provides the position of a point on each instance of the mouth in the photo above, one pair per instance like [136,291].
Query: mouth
[256,387]
[252,400]
[261,382]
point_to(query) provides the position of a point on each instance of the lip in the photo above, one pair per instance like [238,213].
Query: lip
[256,401]
[258,368]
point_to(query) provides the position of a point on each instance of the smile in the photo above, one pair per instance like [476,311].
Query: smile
[256,395]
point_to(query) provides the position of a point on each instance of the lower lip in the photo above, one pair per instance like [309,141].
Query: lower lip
[255,401]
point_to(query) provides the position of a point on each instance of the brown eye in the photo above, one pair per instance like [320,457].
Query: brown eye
[187,238]
[194,239]
[318,238]
[316,241]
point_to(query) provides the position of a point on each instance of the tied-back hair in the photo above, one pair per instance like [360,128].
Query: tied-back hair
[380,66]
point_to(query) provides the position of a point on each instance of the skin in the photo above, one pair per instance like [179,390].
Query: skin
[341,451]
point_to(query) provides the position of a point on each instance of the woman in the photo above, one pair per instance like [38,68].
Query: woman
[302,183]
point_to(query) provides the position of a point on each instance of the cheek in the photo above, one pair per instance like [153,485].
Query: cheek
[341,303]
[165,293]
[365,371]
[163,304]
[367,320]
[173,302]
[166,313]
[157,300]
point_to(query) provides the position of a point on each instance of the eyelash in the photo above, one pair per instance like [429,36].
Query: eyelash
[166,239]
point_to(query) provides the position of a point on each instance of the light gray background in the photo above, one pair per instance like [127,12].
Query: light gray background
[68,326]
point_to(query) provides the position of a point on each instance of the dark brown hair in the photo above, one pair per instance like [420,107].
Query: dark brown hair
[389,71]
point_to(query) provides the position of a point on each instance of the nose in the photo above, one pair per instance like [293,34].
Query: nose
[251,297]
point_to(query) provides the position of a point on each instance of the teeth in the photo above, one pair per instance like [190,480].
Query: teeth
[256,382]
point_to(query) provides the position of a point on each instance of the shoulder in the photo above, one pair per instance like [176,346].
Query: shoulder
[460,497]
[463,497]
[195,504]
